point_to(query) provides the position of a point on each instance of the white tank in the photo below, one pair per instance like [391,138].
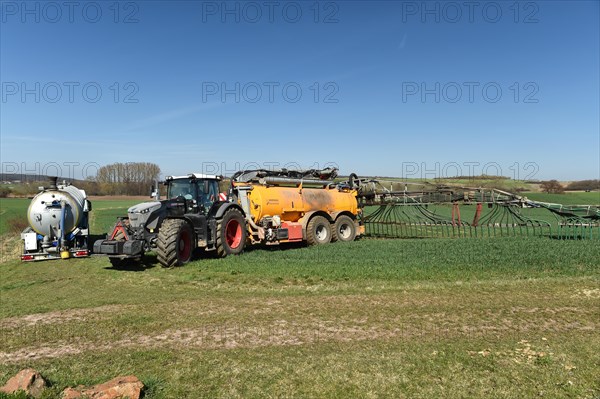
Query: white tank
[46,209]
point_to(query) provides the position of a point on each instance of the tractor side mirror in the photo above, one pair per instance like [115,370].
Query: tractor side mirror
[154,193]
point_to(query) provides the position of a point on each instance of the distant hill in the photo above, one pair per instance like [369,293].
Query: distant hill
[27,178]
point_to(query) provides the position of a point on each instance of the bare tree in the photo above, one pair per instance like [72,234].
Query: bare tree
[131,178]
[552,186]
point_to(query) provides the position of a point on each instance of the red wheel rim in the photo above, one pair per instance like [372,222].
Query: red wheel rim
[185,245]
[233,233]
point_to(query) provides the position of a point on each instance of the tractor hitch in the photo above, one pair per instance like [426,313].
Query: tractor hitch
[113,247]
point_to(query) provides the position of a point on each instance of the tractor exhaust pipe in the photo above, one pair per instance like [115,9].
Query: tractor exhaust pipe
[52,180]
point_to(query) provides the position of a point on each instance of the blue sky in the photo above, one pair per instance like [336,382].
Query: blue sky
[387,88]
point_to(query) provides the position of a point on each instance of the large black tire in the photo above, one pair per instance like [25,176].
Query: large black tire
[318,231]
[231,233]
[175,243]
[344,229]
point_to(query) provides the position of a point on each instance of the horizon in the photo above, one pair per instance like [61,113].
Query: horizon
[36,178]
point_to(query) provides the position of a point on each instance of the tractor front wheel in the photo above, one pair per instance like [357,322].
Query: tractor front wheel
[175,243]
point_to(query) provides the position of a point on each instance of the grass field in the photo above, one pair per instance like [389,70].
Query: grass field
[569,198]
[458,318]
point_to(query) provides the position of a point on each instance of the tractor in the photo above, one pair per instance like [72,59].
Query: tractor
[194,215]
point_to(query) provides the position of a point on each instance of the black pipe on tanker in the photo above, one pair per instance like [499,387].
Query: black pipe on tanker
[287,180]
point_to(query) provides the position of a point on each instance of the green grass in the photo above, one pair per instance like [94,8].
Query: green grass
[456,318]
[374,265]
[569,198]
[105,212]
[12,208]
[371,318]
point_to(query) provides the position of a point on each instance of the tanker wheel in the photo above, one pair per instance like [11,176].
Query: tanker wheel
[175,243]
[318,231]
[231,233]
[344,229]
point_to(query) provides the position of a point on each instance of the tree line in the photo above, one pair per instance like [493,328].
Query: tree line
[131,178]
[554,187]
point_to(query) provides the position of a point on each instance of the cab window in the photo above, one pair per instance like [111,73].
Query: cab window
[182,188]
[208,192]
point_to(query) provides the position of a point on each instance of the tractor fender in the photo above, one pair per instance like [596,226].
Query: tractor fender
[219,208]
[181,217]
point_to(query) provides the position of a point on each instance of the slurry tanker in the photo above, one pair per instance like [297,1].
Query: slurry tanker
[58,223]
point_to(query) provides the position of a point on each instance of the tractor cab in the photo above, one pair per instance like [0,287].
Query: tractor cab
[197,191]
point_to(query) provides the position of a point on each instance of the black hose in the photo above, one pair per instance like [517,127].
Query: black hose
[351,180]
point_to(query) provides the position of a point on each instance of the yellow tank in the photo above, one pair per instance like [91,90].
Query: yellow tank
[292,203]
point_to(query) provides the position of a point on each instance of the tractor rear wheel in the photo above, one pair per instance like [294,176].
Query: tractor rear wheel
[175,243]
[318,231]
[231,233]
[344,229]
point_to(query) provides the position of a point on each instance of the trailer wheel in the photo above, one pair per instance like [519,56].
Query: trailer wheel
[175,243]
[231,233]
[344,229]
[318,231]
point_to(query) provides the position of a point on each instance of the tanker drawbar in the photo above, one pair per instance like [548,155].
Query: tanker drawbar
[58,224]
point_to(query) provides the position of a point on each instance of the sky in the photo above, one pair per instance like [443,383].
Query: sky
[392,88]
